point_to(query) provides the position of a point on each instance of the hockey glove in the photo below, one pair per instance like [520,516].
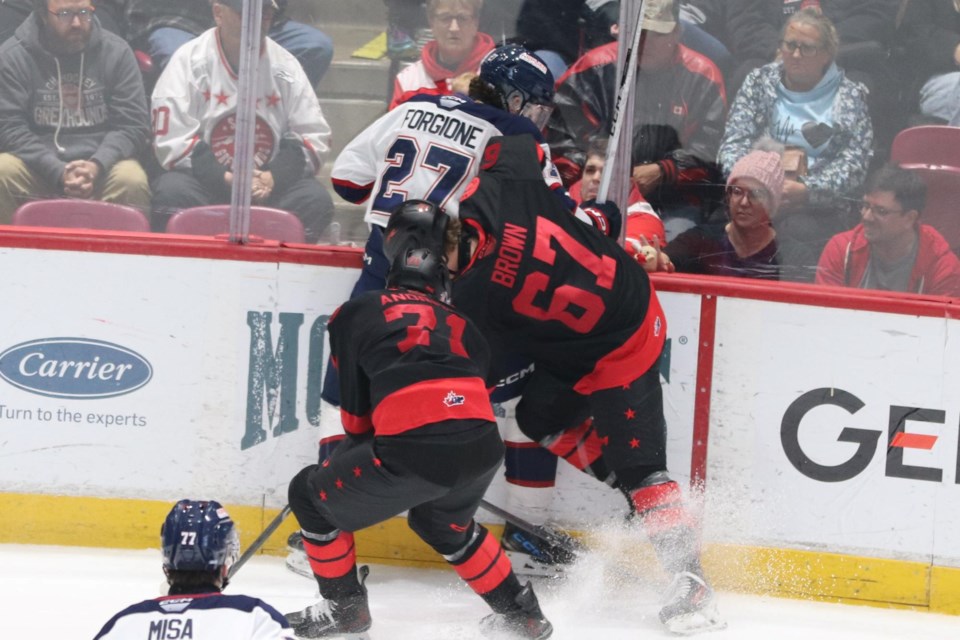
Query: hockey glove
[606,216]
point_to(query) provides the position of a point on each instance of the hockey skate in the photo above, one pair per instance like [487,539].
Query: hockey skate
[690,606]
[297,557]
[526,621]
[340,618]
[534,556]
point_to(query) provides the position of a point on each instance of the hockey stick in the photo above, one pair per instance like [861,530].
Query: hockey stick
[626,83]
[558,539]
[259,542]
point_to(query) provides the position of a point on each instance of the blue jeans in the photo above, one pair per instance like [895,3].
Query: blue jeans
[312,47]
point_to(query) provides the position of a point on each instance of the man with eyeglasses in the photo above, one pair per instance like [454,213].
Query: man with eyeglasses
[73,115]
[890,249]
[14,12]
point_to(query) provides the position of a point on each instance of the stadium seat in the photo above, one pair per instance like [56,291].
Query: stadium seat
[934,153]
[265,222]
[81,214]
[929,145]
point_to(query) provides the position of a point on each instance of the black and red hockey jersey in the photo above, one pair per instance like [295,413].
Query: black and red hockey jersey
[544,285]
[405,361]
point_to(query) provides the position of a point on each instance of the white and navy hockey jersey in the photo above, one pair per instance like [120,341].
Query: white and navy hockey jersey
[195,99]
[212,616]
[427,148]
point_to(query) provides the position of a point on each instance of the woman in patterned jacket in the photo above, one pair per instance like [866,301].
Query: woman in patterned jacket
[804,101]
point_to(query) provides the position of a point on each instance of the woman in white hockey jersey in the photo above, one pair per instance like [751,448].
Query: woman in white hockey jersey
[200,543]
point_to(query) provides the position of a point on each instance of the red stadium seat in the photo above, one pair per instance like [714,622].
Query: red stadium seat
[213,220]
[934,153]
[927,145]
[81,214]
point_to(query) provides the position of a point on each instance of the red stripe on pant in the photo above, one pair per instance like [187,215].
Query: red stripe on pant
[660,508]
[487,567]
[580,446]
[333,559]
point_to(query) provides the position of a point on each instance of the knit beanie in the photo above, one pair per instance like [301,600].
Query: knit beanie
[766,168]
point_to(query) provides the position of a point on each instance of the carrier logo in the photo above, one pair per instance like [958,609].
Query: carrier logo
[74,368]
[454,400]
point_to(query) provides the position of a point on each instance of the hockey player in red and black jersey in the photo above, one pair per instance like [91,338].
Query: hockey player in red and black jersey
[429,148]
[421,437]
[541,284]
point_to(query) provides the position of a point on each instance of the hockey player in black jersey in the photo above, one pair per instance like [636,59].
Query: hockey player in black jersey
[421,437]
[542,284]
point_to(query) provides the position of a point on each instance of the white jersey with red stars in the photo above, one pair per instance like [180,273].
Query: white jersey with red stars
[195,100]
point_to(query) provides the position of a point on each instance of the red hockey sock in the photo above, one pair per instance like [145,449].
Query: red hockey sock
[486,566]
[660,508]
[332,559]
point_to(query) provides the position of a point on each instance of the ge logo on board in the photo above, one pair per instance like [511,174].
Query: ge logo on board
[79,368]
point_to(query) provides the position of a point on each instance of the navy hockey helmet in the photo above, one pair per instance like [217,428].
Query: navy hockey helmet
[198,535]
[522,81]
[414,245]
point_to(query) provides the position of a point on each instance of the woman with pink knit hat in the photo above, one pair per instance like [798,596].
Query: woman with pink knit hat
[745,245]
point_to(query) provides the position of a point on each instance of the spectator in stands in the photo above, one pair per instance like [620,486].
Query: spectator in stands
[890,249]
[457,48]
[73,115]
[931,36]
[109,13]
[160,27]
[805,102]
[643,225]
[561,32]
[195,103]
[745,244]
[865,29]
[678,117]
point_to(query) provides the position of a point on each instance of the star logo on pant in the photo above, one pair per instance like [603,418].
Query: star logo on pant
[357,472]
[630,414]
[339,483]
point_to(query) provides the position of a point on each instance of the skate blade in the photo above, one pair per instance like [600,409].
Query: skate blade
[702,621]
[298,563]
[525,565]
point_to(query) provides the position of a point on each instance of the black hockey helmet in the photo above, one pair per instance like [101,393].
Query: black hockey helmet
[198,535]
[521,80]
[414,244]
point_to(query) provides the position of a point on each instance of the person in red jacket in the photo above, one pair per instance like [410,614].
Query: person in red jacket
[890,249]
[457,48]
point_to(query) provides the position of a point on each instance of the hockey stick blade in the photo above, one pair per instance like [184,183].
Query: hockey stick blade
[565,542]
[260,541]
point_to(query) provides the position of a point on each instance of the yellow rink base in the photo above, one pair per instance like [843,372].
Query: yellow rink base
[135,524]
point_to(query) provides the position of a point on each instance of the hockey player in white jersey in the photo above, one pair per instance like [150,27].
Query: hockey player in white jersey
[200,543]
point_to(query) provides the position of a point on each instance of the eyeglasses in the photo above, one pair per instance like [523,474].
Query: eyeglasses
[880,212]
[446,19]
[761,196]
[67,16]
[806,50]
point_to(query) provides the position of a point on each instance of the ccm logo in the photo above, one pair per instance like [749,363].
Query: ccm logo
[74,368]
[897,439]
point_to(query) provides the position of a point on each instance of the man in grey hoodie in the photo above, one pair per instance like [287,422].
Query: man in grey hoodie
[73,114]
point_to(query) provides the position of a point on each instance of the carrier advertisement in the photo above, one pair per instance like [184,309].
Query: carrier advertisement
[151,377]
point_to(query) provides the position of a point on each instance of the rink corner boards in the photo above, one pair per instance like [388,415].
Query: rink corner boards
[801,574]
